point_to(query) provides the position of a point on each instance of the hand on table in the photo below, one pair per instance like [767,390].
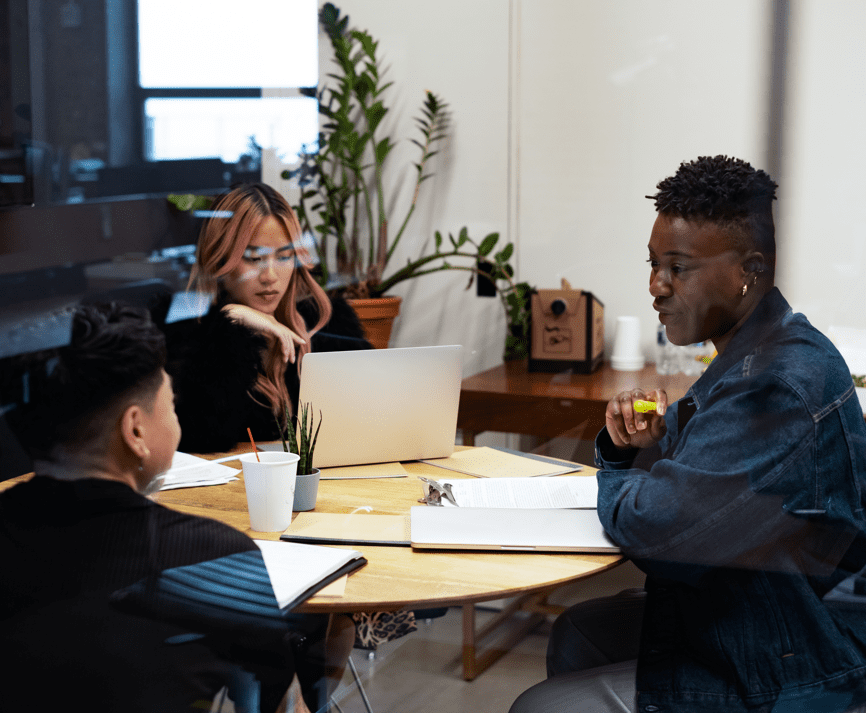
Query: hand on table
[630,429]
[268,325]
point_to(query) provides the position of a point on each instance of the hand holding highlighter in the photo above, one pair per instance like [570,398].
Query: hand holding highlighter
[642,406]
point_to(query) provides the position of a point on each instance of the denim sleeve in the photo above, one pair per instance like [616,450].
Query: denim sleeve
[714,494]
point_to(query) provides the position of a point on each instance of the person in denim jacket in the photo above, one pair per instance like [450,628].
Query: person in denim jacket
[743,502]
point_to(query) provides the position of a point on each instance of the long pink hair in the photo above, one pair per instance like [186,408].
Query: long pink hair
[221,245]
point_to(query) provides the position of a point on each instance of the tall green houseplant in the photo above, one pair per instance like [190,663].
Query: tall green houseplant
[343,202]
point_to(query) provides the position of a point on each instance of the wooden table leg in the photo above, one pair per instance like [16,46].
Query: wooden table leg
[475,662]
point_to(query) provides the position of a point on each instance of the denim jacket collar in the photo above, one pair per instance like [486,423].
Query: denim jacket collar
[771,310]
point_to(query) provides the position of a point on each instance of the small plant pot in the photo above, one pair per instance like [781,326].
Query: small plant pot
[377,316]
[306,491]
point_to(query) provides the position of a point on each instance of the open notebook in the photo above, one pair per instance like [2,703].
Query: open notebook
[509,529]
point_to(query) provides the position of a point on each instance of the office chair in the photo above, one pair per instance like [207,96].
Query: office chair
[229,604]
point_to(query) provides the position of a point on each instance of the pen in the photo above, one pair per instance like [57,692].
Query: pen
[642,406]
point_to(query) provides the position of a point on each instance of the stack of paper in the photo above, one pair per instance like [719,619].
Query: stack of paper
[188,471]
[565,492]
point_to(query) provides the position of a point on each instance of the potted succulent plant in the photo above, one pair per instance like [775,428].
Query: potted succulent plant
[342,197]
[298,436]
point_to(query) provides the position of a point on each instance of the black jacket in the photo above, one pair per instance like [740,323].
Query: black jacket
[214,363]
[68,549]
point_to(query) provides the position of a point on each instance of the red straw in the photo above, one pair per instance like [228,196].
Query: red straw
[255,450]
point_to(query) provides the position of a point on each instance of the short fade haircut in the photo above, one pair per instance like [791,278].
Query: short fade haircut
[65,397]
[728,192]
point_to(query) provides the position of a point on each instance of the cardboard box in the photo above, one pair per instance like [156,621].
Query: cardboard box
[567,331]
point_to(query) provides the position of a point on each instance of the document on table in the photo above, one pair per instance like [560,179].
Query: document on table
[188,471]
[373,470]
[486,462]
[357,528]
[297,571]
[580,491]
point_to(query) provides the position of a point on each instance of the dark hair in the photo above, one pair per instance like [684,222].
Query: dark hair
[728,192]
[62,396]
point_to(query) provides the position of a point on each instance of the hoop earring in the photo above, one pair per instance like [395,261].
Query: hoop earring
[745,289]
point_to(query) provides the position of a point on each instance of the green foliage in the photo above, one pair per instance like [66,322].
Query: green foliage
[298,436]
[859,380]
[188,201]
[342,198]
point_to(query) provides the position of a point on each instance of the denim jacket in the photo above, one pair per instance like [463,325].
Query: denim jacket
[743,516]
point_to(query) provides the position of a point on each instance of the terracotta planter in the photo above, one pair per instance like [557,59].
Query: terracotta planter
[377,316]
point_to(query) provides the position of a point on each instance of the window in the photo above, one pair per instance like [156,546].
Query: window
[222,78]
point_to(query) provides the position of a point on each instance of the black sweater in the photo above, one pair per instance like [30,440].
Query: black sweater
[67,548]
[214,363]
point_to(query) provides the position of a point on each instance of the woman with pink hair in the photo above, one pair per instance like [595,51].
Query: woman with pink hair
[238,366]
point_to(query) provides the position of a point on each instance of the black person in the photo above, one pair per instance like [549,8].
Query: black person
[236,367]
[742,502]
[97,416]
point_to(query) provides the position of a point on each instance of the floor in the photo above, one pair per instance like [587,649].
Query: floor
[421,673]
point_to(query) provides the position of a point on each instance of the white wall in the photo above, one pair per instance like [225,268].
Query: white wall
[566,113]
[821,229]
[613,96]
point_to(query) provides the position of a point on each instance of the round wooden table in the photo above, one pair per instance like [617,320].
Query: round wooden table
[402,578]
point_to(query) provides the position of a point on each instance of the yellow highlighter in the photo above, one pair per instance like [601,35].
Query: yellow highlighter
[642,406]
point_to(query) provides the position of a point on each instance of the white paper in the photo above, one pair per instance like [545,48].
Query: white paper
[293,567]
[561,492]
[188,471]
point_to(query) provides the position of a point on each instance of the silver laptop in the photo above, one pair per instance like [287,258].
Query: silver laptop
[383,405]
[509,530]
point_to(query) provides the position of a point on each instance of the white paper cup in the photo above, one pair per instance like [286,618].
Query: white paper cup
[270,486]
[627,355]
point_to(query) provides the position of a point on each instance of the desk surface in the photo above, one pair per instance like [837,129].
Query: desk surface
[398,577]
[510,399]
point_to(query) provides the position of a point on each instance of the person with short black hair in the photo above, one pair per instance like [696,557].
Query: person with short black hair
[80,538]
[743,502]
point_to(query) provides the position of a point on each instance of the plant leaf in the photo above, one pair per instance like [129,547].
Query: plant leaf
[383,148]
[488,244]
[504,254]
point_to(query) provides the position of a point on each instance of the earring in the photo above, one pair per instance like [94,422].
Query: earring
[745,289]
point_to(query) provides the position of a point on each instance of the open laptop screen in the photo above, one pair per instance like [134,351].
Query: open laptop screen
[382,405]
